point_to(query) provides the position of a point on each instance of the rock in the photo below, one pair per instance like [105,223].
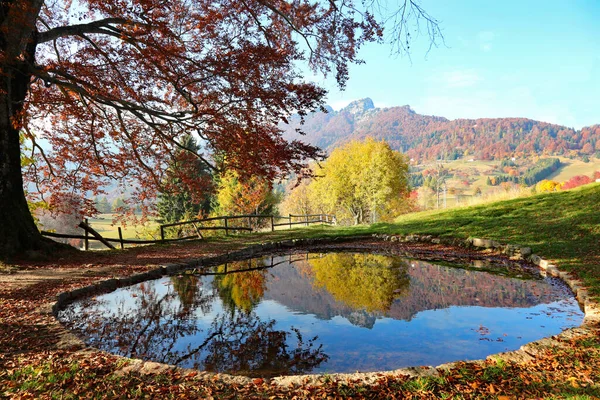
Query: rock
[525,251]
[535,259]
[485,243]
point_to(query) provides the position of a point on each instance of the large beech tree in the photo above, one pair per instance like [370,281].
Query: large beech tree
[111,86]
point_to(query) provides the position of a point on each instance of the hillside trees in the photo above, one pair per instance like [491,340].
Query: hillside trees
[359,182]
[428,138]
[113,86]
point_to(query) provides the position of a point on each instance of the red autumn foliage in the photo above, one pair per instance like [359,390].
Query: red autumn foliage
[576,181]
[113,87]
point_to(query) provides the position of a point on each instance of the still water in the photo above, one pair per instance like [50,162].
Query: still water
[333,312]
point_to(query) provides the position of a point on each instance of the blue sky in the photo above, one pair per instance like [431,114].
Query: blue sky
[527,58]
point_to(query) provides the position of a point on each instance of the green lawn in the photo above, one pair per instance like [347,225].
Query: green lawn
[104,225]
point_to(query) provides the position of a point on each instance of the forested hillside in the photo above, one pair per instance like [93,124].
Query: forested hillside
[425,138]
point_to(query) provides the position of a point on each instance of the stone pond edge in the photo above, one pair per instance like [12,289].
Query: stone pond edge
[527,352]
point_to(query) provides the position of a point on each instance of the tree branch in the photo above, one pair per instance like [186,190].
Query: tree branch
[102,26]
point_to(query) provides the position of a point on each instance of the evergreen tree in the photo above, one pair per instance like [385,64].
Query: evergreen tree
[180,197]
[117,204]
[103,205]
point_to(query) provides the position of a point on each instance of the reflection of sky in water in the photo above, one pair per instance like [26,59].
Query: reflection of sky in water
[423,337]
[432,337]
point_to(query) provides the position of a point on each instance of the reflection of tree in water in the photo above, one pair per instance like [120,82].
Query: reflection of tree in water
[362,281]
[249,346]
[151,327]
[189,291]
[241,290]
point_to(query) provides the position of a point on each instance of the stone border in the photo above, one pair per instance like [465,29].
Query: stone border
[526,353]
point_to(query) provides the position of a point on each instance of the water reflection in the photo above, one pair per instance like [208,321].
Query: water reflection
[243,290]
[336,312]
[148,323]
[361,281]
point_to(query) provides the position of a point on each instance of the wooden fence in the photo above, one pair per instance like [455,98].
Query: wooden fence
[91,234]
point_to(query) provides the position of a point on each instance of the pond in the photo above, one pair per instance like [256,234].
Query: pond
[325,313]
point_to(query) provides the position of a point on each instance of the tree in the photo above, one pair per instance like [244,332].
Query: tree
[362,178]
[118,204]
[113,86]
[186,190]
[102,205]
[298,199]
[548,186]
[236,195]
[576,181]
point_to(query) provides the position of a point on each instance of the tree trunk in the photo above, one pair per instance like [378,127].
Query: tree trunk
[18,232]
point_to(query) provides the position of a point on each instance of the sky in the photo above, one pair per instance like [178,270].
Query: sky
[526,58]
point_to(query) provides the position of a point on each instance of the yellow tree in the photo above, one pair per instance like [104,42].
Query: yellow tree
[362,180]
[236,195]
[547,186]
[298,199]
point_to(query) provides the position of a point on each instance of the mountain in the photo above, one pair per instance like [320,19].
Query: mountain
[426,137]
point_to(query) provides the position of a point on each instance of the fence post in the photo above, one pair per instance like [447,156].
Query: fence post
[87,234]
[121,237]
[226,227]
[162,232]
[306,217]
[272,223]
[250,222]
[290,216]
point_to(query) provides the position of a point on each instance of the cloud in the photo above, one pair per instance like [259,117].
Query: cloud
[485,39]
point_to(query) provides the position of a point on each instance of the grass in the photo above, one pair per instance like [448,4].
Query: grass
[573,168]
[104,225]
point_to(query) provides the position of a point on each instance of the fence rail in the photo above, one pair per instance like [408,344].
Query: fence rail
[91,234]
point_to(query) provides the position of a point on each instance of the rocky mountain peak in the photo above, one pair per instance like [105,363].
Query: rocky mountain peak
[359,107]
